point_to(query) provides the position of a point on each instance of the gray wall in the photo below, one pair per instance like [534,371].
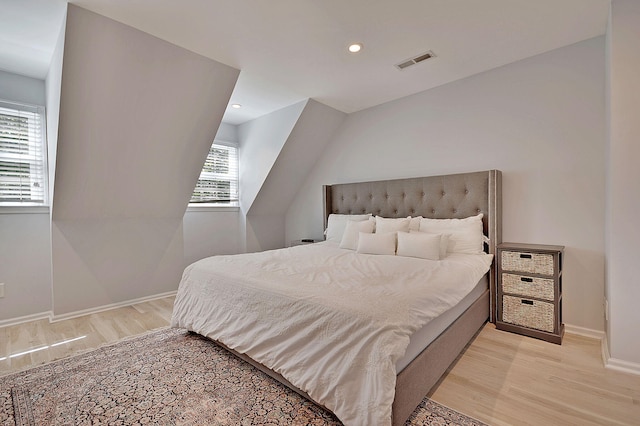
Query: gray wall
[277,152]
[25,244]
[540,120]
[25,237]
[623,177]
[304,145]
[25,264]
[211,230]
[137,118]
[261,141]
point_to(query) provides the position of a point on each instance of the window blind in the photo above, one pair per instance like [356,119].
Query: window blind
[23,170]
[218,182]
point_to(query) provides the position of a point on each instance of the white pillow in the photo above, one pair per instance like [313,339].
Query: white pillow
[384,224]
[384,243]
[465,234]
[414,224]
[351,231]
[337,222]
[419,244]
[444,242]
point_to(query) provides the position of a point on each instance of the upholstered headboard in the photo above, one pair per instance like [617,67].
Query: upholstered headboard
[438,197]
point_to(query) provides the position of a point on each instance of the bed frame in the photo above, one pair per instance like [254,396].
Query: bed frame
[438,197]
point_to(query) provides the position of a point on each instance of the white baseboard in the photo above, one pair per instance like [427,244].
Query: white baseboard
[604,348]
[26,318]
[618,364]
[56,318]
[624,366]
[585,332]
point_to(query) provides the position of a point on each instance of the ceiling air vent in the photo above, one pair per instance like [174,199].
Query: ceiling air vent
[416,60]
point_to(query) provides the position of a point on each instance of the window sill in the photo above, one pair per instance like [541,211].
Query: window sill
[230,207]
[24,209]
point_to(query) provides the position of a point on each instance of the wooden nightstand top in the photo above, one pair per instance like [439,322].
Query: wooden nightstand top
[530,247]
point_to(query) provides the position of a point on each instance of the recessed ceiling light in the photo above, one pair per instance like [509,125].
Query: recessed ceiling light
[355,47]
[236,106]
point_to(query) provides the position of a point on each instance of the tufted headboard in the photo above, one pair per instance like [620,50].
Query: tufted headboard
[438,197]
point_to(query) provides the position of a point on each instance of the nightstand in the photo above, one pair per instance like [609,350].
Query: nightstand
[303,241]
[529,290]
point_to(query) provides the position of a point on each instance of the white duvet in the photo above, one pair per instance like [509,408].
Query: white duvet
[331,321]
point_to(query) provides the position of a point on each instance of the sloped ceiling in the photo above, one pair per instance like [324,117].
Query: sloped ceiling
[28,34]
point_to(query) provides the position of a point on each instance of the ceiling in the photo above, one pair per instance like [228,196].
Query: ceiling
[29,30]
[289,50]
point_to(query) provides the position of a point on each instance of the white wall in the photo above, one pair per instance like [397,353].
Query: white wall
[18,88]
[25,238]
[53,85]
[304,145]
[277,151]
[312,131]
[540,120]
[25,245]
[208,232]
[623,178]
[137,118]
[261,141]
[25,264]
[227,133]
[212,230]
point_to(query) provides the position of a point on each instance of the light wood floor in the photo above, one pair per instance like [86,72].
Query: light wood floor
[38,342]
[507,379]
[501,379]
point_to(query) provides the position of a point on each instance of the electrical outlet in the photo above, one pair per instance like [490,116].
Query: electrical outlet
[1,290]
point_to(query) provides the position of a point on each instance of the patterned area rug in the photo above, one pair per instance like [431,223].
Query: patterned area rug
[167,377]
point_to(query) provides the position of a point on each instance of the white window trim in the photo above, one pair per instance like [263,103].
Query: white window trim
[220,206]
[211,207]
[26,209]
[30,207]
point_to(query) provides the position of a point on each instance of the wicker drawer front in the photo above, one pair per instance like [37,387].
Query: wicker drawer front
[527,313]
[542,288]
[534,263]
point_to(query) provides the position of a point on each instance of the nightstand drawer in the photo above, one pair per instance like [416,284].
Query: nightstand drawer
[528,313]
[533,263]
[541,288]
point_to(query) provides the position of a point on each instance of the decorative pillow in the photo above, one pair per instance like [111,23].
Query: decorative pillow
[444,242]
[465,234]
[351,231]
[419,244]
[384,224]
[384,243]
[337,223]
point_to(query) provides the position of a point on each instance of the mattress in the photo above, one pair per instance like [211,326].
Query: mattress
[430,331]
[330,321]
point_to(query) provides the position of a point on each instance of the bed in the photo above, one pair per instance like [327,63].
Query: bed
[311,352]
